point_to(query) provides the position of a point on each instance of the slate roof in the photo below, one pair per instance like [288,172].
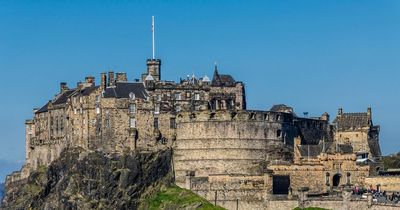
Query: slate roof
[62,99]
[222,79]
[330,147]
[310,150]
[356,120]
[122,90]
[43,109]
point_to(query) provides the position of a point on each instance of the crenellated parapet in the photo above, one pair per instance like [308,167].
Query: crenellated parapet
[235,115]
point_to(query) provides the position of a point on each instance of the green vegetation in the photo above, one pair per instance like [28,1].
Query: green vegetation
[392,161]
[310,208]
[175,197]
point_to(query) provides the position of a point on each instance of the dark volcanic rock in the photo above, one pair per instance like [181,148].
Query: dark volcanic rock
[80,180]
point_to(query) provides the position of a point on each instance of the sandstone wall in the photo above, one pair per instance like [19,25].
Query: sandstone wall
[387,183]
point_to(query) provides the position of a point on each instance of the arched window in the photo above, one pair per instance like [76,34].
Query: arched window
[327,175]
[348,178]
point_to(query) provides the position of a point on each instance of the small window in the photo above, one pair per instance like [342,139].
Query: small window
[188,95]
[75,111]
[80,100]
[107,121]
[132,122]
[278,133]
[172,123]
[97,110]
[158,97]
[132,108]
[177,96]
[97,99]
[197,96]
[178,108]
[157,109]
[156,123]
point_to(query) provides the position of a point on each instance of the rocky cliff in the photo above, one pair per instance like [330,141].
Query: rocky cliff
[1,192]
[92,180]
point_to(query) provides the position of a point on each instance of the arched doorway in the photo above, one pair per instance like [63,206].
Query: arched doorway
[336,180]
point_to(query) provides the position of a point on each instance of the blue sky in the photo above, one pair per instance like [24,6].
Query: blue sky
[312,55]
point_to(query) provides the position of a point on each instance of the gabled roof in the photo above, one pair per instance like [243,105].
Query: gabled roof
[353,120]
[43,109]
[123,89]
[59,99]
[222,80]
[62,99]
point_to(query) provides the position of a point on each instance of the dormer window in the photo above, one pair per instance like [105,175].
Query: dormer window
[132,96]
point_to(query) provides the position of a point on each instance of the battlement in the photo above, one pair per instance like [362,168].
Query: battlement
[235,115]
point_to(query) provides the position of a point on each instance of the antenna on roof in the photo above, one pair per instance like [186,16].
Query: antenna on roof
[152,31]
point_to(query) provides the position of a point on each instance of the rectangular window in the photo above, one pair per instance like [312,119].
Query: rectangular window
[158,97]
[172,123]
[75,111]
[132,108]
[177,96]
[132,123]
[156,123]
[97,99]
[178,108]
[157,109]
[107,121]
[97,110]
[197,96]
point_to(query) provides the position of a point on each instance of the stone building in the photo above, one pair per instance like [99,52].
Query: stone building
[119,115]
[222,151]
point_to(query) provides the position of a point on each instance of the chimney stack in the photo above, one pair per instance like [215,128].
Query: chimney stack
[103,80]
[111,79]
[121,77]
[79,85]
[89,81]
[63,87]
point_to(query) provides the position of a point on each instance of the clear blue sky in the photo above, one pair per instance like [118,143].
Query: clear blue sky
[312,55]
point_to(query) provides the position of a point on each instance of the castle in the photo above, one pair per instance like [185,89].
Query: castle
[222,151]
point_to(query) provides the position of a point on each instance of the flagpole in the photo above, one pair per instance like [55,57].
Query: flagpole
[152,30]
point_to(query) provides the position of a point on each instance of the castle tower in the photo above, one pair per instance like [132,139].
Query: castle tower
[154,68]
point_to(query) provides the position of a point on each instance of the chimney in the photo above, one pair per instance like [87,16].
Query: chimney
[121,77]
[111,79]
[63,87]
[340,111]
[89,81]
[79,85]
[103,81]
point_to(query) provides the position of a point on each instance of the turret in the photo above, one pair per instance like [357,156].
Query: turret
[153,69]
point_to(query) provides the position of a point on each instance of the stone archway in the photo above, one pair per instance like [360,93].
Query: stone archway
[336,180]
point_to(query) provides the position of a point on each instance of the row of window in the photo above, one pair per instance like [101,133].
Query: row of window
[178,96]
[132,123]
